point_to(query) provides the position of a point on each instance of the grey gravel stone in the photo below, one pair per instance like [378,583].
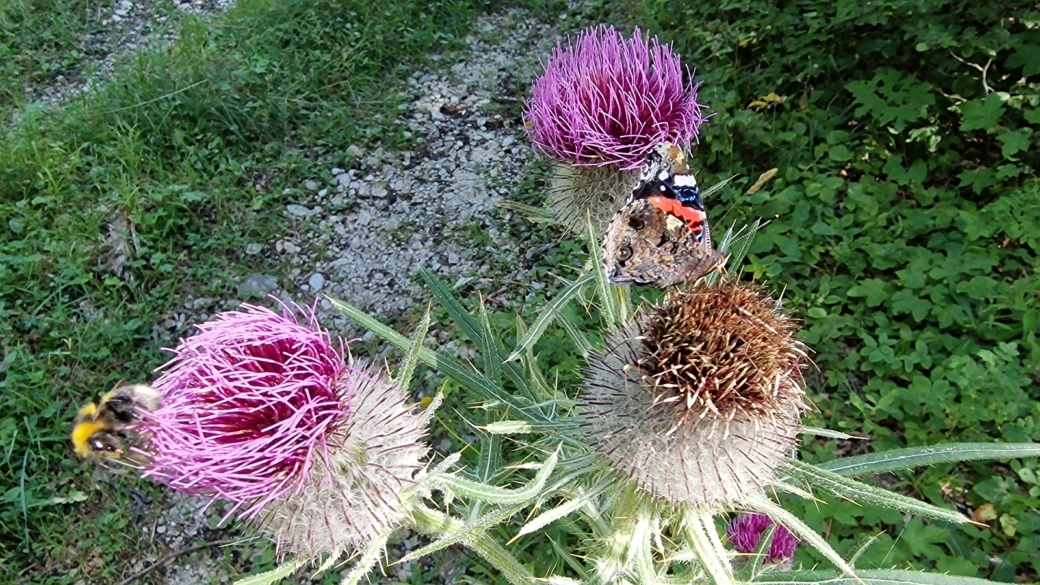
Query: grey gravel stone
[299,210]
[257,286]
[310,185]
[316,281]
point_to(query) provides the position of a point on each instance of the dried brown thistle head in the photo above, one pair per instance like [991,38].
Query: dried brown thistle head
[698,399]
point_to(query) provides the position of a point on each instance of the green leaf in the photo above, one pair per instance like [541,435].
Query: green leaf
[1026,56]
[471,380]
[862,493]
[404,373]
[488,464]
[473,329]
[473,536]
[274,575]
[503,496]
[737,243]
[905,301]
[563,510]
[982,114]
[821,432]
[374,550]
[923,539]
[873,289]
[488,347]
[703,538]
[613,313]
[578,336]
[867,577]
[1014,142]
[551,311]
[919,456]
[452,530]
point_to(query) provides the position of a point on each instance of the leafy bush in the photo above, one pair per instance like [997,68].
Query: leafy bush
[905,210]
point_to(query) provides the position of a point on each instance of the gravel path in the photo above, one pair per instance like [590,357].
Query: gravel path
[363,236]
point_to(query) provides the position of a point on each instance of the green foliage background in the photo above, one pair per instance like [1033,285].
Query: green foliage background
[905,228]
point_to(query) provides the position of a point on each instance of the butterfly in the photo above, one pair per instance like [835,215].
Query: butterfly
[661,237]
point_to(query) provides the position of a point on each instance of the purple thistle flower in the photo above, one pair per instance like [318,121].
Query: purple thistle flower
[746,531]
[608,100]
[249,405]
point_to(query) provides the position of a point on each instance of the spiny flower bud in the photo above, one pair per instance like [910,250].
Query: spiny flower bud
[354,494]
[578,195]
[697,400]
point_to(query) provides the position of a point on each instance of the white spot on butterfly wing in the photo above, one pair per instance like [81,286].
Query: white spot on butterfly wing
[685,181]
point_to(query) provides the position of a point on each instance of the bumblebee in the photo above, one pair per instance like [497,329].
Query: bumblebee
[100,432]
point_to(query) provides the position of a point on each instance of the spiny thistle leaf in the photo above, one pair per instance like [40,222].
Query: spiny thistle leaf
[550,312]
[909,457]
[274,575]
[867,494]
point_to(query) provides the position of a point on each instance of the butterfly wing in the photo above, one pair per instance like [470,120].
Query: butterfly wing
[648,245]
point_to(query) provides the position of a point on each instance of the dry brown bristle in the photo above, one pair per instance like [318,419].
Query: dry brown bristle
[720,350]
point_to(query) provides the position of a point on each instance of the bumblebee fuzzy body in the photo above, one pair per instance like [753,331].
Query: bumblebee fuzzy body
[100,432]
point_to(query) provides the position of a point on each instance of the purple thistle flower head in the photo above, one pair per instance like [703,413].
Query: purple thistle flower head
[608,100]
[249,403]
[746,531]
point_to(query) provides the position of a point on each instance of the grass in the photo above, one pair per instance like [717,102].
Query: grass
[41,39]
[122,205]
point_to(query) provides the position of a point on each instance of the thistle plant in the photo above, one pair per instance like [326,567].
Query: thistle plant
[601,105]
[685,413]
[682,412]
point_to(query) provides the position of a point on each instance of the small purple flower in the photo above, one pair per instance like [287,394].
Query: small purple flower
[746,531]
[608,100]
[249,404]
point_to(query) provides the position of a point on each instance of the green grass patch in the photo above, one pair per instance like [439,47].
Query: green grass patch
[904,228]
[41,39]
[120,206]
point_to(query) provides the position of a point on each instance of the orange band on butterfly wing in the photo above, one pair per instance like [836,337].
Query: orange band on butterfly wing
[693,217]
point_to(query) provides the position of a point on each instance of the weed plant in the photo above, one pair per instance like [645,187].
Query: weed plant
[904,219]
